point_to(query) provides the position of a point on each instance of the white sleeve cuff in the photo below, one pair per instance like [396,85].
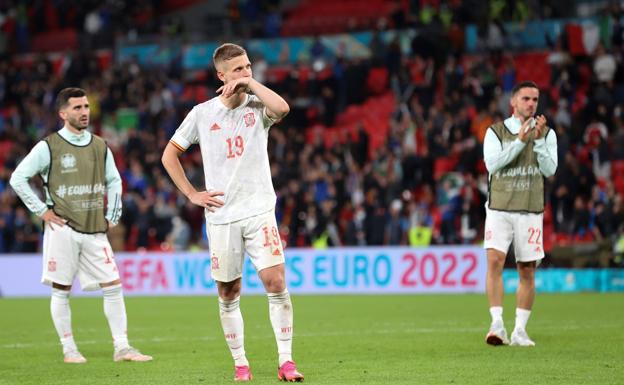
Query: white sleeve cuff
[181,142]
[41,211]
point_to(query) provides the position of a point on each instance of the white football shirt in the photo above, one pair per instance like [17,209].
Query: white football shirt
[233,144]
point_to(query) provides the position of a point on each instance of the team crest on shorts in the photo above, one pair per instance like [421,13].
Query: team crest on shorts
[488,235]
[214,263]
[51,266]
[250,119]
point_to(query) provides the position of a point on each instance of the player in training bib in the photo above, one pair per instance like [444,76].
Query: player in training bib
[519,154]
[78,170]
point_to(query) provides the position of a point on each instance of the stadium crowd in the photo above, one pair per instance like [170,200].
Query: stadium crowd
[422,182]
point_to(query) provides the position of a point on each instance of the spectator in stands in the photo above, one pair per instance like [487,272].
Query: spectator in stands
[595,141]
[397,225]
[581,221]
[567,186]
[562,116]
[618,143]
[140,105]
[378,48]
[604,65]
[26,233]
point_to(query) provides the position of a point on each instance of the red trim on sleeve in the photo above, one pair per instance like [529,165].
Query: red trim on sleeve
[177,146]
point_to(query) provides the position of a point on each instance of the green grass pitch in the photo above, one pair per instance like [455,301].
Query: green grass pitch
[407,339]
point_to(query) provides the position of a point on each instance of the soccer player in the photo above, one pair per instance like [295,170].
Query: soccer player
[519,153]
[232,130]
[78,170]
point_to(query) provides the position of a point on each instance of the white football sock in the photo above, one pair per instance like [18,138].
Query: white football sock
[281,314]
[522,317]
[61,316]
[233,329]
[115,311]
[497,313]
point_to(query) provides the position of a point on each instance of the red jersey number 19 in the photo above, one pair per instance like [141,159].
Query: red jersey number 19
[235,146]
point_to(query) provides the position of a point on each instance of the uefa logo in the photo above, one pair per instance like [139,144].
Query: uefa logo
[68,163]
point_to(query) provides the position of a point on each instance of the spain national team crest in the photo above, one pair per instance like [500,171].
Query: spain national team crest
[51,266]
[214,263]
[250,119]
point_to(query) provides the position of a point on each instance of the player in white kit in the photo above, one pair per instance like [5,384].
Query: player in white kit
[519,153]
[232,131]
[78,169]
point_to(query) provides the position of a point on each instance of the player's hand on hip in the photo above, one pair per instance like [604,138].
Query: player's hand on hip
[235,87]
[207,199]
[540,126]
[50,218]
[525,130]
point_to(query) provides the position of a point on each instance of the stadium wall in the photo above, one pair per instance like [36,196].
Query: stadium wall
[383,270]
[198,55]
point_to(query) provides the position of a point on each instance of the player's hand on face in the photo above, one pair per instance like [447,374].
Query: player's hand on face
[525,130]
[540,126]
[237,86]
[50,218]
[207,199]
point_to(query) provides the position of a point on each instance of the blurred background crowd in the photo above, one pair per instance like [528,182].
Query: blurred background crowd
[382,150]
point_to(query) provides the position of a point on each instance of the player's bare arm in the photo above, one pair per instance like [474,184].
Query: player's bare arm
[276,106]
[237,86]
[50,217]
[206,199]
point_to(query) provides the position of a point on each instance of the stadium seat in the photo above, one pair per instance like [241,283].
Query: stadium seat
[481,169]
[586,237]
[377,81]
[443,165]
[60,40]
[533,66]
[328,16]
[617,167]
[619,183]
[550,238]
[547,215]
[176,5]
[563,239]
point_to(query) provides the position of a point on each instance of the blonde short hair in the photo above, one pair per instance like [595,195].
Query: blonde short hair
[226,52]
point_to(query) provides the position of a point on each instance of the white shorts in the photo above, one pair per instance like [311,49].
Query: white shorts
[525,230]
[67,252]
[228,242]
